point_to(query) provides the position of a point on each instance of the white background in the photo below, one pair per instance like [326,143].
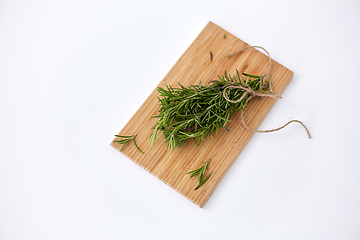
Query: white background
[72,73]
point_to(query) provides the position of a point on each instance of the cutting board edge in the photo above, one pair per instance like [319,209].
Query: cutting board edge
[112,144]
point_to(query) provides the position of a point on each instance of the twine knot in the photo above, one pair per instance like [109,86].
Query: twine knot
[249,91]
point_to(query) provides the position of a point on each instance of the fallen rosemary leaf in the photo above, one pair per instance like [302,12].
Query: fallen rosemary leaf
[203,181]
[126,140]
[270,87]
[201,172]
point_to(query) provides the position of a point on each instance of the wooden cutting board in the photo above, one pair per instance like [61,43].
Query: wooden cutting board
[192,67]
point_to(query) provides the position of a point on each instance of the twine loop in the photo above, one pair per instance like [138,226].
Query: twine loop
[266,75]
[252,93]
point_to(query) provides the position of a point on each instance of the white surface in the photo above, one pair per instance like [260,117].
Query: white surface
[72,73]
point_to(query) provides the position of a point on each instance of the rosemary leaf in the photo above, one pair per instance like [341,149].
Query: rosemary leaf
[270,88]
[136,144]
[124,136]
[203,181]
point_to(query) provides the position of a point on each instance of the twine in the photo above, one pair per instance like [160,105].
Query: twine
[272,130]
[266,75]
[252,93]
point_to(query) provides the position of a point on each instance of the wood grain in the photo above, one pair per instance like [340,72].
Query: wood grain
[192,67]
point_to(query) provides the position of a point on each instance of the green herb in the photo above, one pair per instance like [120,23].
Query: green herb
[125,140]
[201,172]
[197,111]
[270,88]
[203,181]
[224,35]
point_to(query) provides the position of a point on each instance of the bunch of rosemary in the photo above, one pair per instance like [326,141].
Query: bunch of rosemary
[199,111]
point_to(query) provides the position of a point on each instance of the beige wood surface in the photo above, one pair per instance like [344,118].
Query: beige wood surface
[192,67]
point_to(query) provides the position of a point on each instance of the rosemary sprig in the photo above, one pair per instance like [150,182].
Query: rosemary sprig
[201,172]
[200,111]
[125,140]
